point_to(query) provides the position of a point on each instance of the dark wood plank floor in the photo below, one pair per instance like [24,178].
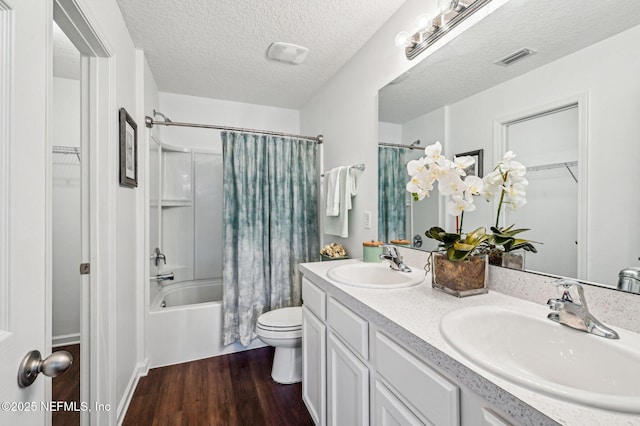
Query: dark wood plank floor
[234,389]
[66,387]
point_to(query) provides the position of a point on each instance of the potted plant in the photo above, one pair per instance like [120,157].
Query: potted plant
[504,246]
[459,267]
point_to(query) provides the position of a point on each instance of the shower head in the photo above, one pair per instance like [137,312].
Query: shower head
[416,143]
[166,119]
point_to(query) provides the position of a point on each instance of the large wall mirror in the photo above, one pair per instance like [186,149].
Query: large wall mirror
[570,112]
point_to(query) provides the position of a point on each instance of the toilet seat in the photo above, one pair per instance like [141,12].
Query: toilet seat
[282,329]
[281,320]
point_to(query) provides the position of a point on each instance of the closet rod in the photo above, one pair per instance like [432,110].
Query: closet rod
[399,145]
[150,122]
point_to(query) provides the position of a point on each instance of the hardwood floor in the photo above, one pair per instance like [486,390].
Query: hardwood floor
[234,389]
[66,387]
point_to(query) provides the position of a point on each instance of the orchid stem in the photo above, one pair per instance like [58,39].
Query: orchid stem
[499,208]
[461,220]
[504,179]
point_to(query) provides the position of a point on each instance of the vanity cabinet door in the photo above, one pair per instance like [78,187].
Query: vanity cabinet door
[314,363]
[347,386]
[390,411]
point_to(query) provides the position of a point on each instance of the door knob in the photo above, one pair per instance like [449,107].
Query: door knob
[32,364]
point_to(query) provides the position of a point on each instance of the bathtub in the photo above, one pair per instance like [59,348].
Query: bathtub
[188,293]
[184,323]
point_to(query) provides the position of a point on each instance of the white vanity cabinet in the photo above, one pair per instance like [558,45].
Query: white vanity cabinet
[428,394]
[347,385]
[354,373]
[314,352]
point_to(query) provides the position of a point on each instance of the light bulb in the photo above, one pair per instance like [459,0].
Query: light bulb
[447,6]
[423,21]
[402,39]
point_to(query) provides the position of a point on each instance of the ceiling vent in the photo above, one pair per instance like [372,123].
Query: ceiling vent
[287,52]
[515,57]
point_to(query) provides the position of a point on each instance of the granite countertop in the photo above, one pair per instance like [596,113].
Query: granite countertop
[412,315]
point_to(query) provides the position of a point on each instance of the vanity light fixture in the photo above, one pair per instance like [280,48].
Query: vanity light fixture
[429,30]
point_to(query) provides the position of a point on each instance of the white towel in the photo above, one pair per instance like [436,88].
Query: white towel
[333,191]
[339,225]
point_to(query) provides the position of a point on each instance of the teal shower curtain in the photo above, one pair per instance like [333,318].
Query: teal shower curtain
[392,179]
[270,226]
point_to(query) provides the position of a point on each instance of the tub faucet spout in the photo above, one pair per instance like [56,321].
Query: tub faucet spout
[165,277]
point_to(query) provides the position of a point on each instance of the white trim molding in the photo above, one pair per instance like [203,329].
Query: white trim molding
[6,99]
[580,100]
[142,369]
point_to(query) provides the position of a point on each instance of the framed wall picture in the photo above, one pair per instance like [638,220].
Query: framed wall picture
[128,150]
[476,169]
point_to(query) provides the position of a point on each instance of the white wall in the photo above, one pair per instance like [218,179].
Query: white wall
[66,112]
[345,111]
[66,213]
[609,75]
[194,109]
[428,128]
[121,225]
[389,132]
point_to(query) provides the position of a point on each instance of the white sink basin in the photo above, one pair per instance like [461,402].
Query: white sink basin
[375,275]
[547,357]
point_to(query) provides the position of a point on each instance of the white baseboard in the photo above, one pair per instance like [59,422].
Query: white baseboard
[142,369]
[65,339]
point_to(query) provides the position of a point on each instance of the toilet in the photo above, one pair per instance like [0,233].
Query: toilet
[282,329]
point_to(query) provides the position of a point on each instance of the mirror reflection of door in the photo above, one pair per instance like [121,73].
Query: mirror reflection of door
[547,144]
[66,220]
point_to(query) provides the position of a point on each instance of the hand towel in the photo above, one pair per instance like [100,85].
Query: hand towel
[339,225]
[333,191]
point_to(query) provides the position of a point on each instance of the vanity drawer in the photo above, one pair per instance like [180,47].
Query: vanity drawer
[428,392]
[314,298]
[349,326]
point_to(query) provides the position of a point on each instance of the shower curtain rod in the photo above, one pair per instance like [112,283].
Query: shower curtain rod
[399,145]
[150,122]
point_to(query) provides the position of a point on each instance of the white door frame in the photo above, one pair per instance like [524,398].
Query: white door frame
[499,146]
[97,115]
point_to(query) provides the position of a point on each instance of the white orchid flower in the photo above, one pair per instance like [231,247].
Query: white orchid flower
[433,152]
[421,187]
[515,204]
[507,159]
[458,205]
[462,163]
[516,191]
[451,184]
[416,166]
[475,185]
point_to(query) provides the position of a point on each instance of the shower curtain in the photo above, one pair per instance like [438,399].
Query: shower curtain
[270,226]
[392,179]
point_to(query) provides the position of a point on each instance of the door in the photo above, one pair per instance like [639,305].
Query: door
[25,32]
[548,144]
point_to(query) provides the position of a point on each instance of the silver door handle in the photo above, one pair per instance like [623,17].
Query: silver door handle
[32,364]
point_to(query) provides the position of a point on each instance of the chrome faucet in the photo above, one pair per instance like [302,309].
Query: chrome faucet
[392,254]
[164,277]
[576,315]
[157,256]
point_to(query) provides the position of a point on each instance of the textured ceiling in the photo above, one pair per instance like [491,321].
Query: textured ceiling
[217,49]
[66,58]
[466,65]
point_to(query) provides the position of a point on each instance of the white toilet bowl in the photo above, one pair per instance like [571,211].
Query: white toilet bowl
[282,329]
